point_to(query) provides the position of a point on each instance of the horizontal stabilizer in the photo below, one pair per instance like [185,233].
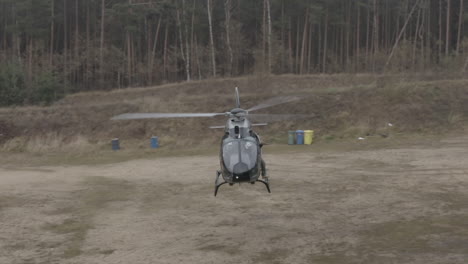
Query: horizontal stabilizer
[216,127]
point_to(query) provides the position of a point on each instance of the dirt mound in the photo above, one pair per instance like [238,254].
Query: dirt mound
[340,106]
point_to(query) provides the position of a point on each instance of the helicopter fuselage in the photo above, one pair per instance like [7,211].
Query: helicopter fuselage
[240,152]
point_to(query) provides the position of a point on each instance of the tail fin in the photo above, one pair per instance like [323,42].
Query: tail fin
[237,98]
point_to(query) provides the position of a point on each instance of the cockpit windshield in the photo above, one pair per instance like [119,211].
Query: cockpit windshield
[240,155]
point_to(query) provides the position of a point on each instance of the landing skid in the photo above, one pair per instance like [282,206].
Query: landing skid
[219,184]
[266,184]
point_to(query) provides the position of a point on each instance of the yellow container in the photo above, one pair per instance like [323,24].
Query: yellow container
[308,137]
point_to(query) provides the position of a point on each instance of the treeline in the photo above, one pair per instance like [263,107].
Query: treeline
[49,48]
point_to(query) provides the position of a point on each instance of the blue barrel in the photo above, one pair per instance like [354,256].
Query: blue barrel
[154,142]
[291,136]
[115,144]
[300,137]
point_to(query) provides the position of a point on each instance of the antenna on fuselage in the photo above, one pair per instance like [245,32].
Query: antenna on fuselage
[237,98]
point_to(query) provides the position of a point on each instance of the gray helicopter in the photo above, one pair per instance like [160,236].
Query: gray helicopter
[241,148]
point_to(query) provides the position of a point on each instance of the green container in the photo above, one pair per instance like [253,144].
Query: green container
[291,137]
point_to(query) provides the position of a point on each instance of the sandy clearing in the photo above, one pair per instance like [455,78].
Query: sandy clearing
[405,205]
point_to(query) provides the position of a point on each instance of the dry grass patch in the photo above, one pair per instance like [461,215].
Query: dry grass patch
[343,106]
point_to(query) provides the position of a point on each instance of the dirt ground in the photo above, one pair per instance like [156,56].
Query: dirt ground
[390,205]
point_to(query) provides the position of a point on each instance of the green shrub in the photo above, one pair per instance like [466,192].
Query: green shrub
[12,84]
[44,88]
[47,89]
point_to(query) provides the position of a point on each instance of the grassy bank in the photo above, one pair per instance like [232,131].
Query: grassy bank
[341,107]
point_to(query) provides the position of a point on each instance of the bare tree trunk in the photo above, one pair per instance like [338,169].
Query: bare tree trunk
[447,32]
[198,59]
[153,51]
[402,31]
[290,53]
[304,39]
[30,56]
[5,24]
[282,34]
[213,58]
[185,55]
[165,51]
[460,22]
[227,12]
[358,38]
[319,44]
[65,44]
[421,37]
[148,54]
[77,44]
[269,35]
[368,35]
[264,36]
[296,61]
[440,30]
[192,41]
[187,47]
[52,26]
[129,58]
[129,54]
[101,48]
[415,40]
[77,30]
[309,48]
[325,39]
[341,46]
[376,34]
[87,44]
[428,37]
[348,34]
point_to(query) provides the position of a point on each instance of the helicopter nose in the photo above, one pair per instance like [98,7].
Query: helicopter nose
[240,168]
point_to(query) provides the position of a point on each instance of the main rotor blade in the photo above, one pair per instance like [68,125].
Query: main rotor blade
[277,117]
[130,116]
[237,98]
[275,101]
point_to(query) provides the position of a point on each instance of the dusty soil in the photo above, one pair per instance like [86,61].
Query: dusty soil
[392,205]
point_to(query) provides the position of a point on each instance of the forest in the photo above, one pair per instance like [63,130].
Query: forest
[50,48]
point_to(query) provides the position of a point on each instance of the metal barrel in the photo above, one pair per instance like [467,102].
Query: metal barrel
[308,137]
[300,137]
[154,142]
[115,144]
[291,137]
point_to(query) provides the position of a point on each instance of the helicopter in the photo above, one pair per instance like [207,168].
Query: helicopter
[241,148]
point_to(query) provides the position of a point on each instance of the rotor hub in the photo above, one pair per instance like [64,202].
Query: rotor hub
[239,112]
